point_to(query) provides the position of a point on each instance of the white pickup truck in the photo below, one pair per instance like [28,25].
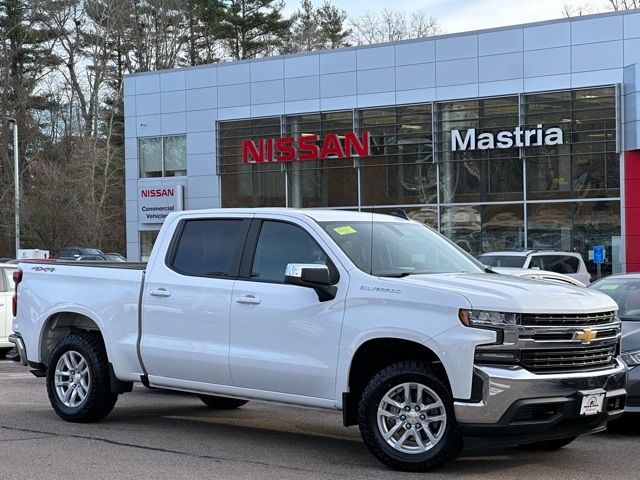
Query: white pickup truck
[378,316]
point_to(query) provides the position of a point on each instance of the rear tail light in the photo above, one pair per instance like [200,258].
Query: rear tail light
[17,278]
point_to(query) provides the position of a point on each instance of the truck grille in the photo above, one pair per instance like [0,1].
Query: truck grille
[567,360]
[570,319]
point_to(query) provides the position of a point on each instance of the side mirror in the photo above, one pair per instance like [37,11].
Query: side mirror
[311,275]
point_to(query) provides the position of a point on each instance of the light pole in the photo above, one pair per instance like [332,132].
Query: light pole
[16,179]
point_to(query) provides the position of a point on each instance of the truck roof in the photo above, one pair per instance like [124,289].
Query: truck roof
[319,215]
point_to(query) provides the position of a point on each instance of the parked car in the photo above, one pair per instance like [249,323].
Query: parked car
[6,293]
[114,257]
[625,290]
[72,253]
[104,257]
[568,263]
[91,258]
[535,274]
[378,316]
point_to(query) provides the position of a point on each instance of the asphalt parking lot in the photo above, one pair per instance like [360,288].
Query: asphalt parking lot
[157,434]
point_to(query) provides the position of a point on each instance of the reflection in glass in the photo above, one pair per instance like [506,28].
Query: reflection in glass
[463,226]
[425,215]
[175,156]
[147,239]
[150,152]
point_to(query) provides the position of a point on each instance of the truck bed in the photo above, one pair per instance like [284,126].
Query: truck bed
[107,293]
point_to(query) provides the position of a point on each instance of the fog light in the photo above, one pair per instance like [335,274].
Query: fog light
[497,356]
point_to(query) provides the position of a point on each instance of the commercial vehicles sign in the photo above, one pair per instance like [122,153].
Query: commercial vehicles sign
[306,147]
[155,202]
[518,137]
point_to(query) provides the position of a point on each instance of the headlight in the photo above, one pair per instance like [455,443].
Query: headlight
[632,359]
[484,318]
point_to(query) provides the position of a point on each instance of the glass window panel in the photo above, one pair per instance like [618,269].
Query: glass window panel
[488,180]
[175,156]
[259,185]
[311,187]
[598,223]
[150,154]
[399,184]
[549,226]
[147,239]
[577,176]
[502,227]
[462,225]
[426,215]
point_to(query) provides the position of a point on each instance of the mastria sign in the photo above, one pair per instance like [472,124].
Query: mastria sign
[519,137]
[305,148]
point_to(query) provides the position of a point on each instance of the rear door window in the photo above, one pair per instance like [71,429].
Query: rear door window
[561,263]
[210,248]
[514,261]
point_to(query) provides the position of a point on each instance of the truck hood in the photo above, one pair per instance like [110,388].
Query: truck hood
[506,293]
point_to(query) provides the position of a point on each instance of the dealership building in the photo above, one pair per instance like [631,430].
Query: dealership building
[518,137]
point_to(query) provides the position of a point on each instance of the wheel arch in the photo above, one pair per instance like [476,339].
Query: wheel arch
[60,324]
[375,354]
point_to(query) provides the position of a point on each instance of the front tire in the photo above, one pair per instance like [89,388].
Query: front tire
[222,403]
[407,420]
[78,381]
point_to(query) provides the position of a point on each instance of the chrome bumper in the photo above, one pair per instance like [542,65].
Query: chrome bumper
[16,339]
[504,386]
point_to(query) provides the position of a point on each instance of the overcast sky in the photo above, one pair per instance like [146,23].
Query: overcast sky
[462,15]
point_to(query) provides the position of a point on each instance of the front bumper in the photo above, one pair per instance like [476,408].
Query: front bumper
[21,356]
[633,391]
[519,406]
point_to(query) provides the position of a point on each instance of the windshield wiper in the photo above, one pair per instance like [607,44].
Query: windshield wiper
[395,275]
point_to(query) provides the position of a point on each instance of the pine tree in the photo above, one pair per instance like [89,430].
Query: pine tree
[252,28]
[316,28]
[331,21]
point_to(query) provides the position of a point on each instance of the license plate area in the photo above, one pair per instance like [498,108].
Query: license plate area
[592,401]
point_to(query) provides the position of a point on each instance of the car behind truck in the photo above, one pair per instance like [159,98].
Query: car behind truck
[377,316]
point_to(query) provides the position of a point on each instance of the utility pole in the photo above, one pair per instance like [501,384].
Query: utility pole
[16,180]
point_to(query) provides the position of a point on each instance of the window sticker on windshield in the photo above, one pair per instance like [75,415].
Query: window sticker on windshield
[346,230]
[608,287]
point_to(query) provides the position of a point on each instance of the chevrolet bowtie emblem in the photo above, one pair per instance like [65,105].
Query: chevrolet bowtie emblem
[585,336]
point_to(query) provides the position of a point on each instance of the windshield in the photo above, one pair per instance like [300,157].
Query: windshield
[512,261]
[625,292]
[399,248]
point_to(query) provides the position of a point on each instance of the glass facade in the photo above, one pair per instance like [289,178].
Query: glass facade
[561,195]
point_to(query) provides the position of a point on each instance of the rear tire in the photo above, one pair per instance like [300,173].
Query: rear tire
[410,406]
[549,445]
[78,382]
[221,403]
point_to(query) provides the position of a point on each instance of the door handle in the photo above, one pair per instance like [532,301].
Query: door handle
[160,292]
[249,300]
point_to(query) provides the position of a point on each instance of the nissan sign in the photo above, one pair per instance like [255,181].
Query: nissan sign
[306,147]
[155,202]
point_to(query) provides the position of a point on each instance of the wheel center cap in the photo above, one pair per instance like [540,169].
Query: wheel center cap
[413,416]
[76,378]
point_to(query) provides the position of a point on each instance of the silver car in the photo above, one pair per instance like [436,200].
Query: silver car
[625,290]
